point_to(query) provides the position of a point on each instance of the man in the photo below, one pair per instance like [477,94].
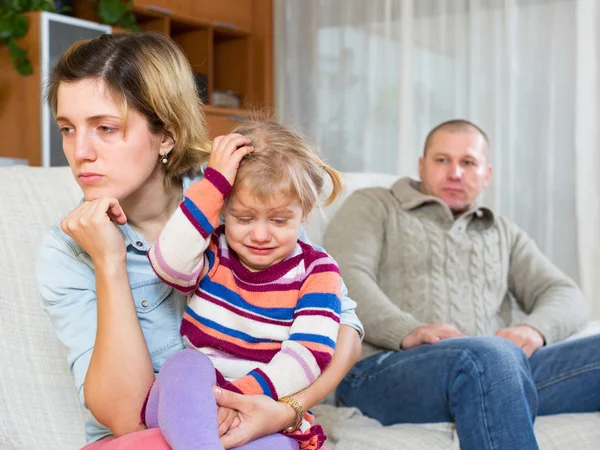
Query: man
[436,278]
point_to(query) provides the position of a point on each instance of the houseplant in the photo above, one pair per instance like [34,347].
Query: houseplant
[117,13]
[14,25]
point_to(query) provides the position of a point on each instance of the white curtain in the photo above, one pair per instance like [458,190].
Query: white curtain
[366,81]
[587,149]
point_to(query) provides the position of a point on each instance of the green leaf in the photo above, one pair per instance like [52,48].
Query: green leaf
[128,21]
[24,67]
[19,5]
[15,51]
[4,6]
[19,25]
[6,28]
[111,11]
[19,57]
[48,5]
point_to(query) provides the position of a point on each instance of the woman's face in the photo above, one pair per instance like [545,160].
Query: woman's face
[106,159]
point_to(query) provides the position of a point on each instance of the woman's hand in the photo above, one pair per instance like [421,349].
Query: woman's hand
[226,154]
[227,419]
[259,416]
[91,226]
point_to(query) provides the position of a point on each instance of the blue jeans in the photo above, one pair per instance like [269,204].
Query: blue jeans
[485,385]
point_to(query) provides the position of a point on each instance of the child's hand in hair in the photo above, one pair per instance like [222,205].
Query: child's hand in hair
[226,154]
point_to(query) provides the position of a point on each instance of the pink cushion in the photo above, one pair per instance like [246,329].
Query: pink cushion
[143,440]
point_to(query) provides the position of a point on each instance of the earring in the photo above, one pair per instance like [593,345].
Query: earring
[163,159]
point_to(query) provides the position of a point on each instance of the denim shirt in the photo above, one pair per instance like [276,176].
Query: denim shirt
[67,282]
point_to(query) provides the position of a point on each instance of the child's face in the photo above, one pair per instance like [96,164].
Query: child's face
[262,234]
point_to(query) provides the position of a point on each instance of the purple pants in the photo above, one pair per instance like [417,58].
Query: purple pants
[181,403]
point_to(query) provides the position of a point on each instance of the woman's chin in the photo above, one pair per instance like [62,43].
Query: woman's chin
[90,194]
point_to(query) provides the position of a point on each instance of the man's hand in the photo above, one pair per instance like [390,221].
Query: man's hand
[524,336]
[429,334]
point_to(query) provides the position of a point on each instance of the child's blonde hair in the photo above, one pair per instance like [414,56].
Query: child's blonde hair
[283,162]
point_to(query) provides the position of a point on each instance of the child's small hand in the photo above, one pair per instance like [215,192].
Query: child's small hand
[227,419]
[226,154]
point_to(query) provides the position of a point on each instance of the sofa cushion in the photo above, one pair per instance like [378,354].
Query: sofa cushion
[348,429]
[39,407]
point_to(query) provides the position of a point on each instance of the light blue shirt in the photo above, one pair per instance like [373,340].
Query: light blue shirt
[67,282]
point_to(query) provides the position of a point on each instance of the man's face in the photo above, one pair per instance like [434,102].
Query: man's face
[455,168]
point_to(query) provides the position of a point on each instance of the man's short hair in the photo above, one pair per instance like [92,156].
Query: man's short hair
[455,126]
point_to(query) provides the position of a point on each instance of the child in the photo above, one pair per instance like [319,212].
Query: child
[264,309]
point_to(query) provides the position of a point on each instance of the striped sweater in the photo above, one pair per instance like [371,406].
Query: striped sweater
[268,332]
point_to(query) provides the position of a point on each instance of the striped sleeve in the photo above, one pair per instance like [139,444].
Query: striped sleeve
[178,255]
[309,348]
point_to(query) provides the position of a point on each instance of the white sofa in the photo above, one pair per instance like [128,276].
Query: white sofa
[39,408]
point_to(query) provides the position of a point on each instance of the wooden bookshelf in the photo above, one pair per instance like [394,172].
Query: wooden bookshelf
[21,101]
[227,41]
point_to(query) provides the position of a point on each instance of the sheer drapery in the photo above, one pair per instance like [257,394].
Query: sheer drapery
[587,149]
[366,80]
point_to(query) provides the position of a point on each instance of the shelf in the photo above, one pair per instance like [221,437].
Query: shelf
[183,24]
[235,15]
[164,7]
[223,33]
[231,63]
[222,121]
[226,111]
[144,14]
[196,43]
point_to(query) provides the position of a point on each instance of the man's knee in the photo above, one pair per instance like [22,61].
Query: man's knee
[489,352]
[497,366]
[496,363]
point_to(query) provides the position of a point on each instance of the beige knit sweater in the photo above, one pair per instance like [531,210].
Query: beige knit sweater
[407,262]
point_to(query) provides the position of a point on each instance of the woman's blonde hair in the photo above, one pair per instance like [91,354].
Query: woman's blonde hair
[283,163]
[149,73]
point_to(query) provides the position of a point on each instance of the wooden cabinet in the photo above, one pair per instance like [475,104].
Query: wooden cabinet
[169,7]
[232,14]
[223,120]
[227,42]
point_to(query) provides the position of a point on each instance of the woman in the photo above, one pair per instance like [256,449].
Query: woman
[135,139]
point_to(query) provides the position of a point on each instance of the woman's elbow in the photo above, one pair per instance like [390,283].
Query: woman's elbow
[126,428]
[119,419]
[356,348]
[120,423]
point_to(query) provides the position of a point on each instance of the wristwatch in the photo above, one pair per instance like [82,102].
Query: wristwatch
[295,426]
